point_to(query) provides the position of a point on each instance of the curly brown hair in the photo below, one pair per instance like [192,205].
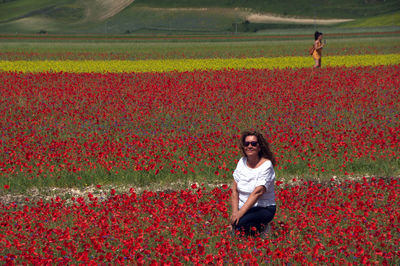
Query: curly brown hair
[264,146]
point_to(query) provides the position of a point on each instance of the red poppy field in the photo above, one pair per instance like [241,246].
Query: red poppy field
[77,128]
[352,223]
[65,129]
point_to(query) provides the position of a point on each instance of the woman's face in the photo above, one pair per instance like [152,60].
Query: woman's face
[320,37]
[251,146]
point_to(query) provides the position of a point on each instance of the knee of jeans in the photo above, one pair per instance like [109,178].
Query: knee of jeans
[240,223]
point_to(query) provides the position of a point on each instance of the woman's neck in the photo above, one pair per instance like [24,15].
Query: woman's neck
[252,161]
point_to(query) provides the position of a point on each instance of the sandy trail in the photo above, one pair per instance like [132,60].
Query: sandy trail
[110,8]
[265,18]
[103,9]
[103,192]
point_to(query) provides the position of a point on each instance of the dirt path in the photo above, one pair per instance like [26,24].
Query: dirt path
[246,14]
[103,192]
[265,18]
[99,10]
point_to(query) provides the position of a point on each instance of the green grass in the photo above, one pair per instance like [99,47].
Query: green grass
[132,20]
[339,30]
[66,14]
[191,48]
[392,19]
[17,8]
[139,19]
[21,182]
[314,8]
[154,16]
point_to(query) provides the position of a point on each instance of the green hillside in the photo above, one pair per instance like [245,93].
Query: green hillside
[15,9]
[188,16]
[376,21]
[308,8]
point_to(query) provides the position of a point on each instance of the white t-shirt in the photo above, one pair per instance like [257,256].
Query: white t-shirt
[248,179]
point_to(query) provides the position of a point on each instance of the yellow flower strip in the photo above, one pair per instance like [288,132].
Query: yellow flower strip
[194,64]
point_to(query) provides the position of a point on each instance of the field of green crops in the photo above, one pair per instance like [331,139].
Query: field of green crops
[189,47]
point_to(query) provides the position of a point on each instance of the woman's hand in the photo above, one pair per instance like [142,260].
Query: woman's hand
[235,216]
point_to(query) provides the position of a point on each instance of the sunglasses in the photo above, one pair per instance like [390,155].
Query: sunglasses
[253,143]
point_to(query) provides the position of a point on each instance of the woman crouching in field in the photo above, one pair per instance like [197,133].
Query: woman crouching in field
[253,194]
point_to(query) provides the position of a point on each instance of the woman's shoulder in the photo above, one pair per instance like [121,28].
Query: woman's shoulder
[266,163]
[241,165]
[242,160]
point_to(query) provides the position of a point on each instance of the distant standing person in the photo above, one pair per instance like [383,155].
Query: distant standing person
[318,45]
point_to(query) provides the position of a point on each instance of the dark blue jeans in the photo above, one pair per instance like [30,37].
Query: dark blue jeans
[257,217]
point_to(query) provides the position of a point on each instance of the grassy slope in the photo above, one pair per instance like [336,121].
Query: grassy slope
[24,16]
[19,8]
[175,49]
[318,8]
[142,16]
[135,19]
[392,19]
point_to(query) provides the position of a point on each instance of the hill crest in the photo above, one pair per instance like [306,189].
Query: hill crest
[128,16]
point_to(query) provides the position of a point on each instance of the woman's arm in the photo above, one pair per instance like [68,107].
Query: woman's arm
[318,45]
[253,198]
[234,202]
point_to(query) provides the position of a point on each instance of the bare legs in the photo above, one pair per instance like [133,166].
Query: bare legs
[317,63]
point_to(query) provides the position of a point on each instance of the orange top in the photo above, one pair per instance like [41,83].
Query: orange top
[318,50]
